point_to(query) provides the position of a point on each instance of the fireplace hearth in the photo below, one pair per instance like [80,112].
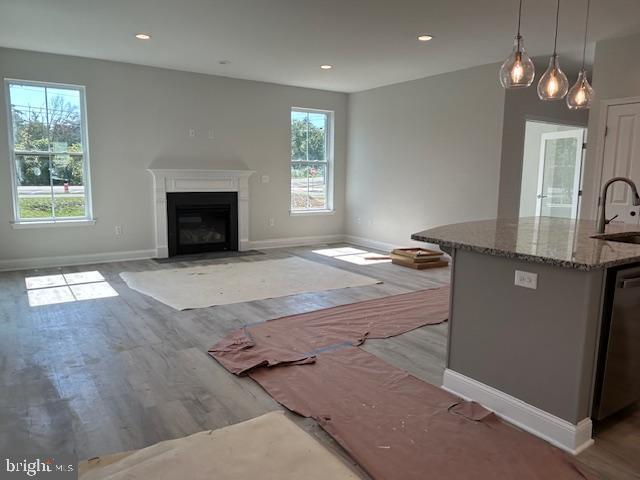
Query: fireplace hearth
[202,222]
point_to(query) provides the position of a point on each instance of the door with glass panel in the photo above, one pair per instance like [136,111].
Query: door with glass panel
[559,173]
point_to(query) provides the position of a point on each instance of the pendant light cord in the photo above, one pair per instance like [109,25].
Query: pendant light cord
[519,17]
[586,29]
[555,41]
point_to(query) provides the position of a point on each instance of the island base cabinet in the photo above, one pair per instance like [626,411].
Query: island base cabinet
[536,346]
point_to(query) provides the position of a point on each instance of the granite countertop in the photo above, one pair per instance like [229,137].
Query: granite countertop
[555,241]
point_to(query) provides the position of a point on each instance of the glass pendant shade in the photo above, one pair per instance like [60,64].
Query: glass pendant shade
[518,70]
[553,84]
[580,95]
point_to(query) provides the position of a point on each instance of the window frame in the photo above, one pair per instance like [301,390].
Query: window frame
[17,221]
[328,163]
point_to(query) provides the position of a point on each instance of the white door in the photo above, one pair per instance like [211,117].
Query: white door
[559,173]
[622,159]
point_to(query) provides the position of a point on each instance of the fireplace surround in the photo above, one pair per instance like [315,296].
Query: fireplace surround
[199,179]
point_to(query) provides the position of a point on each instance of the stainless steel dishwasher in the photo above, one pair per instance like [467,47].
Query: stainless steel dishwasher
[618,375]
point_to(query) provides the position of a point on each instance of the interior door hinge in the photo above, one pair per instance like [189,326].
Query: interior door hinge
[579,193]
[606,131]
[584,146]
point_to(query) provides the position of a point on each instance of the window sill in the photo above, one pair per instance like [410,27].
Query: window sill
[310,213]
[50,224]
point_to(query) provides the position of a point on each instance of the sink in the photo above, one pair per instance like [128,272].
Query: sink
[625,237]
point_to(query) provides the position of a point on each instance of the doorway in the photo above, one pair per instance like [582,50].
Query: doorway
[551,170]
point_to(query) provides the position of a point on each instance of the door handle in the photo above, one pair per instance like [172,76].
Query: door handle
[630,283]
[607,222]
[542,196]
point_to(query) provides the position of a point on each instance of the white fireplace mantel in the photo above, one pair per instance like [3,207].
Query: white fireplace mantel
[168,180]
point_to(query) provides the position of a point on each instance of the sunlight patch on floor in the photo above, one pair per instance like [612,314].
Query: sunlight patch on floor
[83,277]
[354,255]
[50,296]
[45,281]
[67,287]
[91,291]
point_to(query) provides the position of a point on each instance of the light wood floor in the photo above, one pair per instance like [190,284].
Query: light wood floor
[121,373]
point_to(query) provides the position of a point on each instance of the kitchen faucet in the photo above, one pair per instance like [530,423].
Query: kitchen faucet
[602,216]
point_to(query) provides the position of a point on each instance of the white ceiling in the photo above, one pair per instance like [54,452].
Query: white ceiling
[369,42]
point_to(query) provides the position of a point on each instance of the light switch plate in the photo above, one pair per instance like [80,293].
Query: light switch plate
[526,279]
[264,179]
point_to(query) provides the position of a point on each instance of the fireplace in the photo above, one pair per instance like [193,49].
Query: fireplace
[202,222]
[199,178]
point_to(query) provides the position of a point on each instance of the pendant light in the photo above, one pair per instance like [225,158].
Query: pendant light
[554,84]
[518,70]
[580,95]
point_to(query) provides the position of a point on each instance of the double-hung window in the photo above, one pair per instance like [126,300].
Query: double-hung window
[311,160]
[49,157]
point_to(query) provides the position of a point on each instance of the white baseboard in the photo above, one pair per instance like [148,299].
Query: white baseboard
[68,260]
[369,243]
[561,433]
[385,246]
[162,251]
[319,239]
[295,241]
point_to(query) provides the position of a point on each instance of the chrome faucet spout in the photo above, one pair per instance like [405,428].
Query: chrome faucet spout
[602,215]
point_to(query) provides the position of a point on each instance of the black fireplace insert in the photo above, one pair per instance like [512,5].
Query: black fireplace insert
[202,222]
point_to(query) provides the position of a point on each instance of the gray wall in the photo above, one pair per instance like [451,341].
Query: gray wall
[520,106]
[424,153]
[138,114]
[616,74]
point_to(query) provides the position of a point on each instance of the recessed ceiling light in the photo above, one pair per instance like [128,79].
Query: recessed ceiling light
[423,37]
[326,67]
[143,36]
[224,62]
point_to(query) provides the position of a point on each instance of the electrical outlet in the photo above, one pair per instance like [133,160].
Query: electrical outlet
[526,279]
[272,222]
[118,229]
[192,133]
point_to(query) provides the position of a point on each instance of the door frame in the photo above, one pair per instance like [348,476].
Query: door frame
[577,176]
[600,148]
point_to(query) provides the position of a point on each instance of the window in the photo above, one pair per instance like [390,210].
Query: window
[311,160]
[49,158]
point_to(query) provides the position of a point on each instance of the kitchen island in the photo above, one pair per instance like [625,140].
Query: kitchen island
[545,322]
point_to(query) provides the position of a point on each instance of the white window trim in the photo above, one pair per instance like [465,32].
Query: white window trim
[306,213]
[16,221]
[51,223]
[329,163]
